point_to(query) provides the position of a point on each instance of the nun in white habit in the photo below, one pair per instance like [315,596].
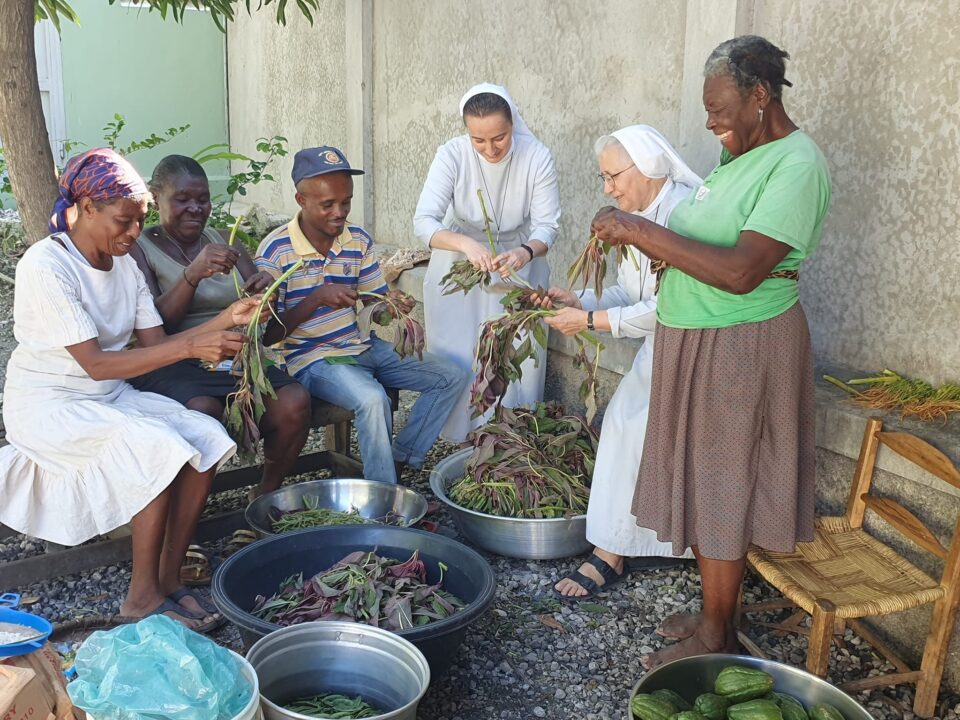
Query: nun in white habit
[645,175]
[499,156]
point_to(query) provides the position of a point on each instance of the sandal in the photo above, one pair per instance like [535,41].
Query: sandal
[205,603]
[195,570]
[169,606]
[609,575]
[239,540]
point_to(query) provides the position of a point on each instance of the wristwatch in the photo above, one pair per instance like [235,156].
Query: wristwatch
[590,320]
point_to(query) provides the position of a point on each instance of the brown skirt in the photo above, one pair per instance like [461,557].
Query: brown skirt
[729,453]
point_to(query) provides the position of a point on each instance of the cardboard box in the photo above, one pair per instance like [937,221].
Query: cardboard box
[23,696]
[46,666]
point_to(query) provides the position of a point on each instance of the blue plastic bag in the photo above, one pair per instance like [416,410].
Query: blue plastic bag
[157,669]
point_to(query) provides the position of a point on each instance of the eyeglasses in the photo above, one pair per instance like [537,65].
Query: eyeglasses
[606,178]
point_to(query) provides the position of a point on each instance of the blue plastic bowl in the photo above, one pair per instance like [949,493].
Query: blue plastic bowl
[8,601]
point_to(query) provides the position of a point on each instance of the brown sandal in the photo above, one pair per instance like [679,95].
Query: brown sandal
[195,570]
[239,540]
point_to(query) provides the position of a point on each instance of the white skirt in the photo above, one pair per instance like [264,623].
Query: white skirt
[452,326]
[610,524]
[79,466]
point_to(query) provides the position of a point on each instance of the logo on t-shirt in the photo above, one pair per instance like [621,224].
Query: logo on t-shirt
[702,192]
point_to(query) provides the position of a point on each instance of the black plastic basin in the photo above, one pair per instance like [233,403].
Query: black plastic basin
[258,569]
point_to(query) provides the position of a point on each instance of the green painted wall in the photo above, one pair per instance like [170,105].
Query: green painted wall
[156,73]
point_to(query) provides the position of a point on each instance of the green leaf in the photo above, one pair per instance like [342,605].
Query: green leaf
[595,608]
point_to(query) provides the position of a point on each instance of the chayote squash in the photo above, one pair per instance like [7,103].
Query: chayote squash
[790,707]
[758,709]
[687,715]
[671,697]
[649,707]
[823,711]
[739,684]
[711,706]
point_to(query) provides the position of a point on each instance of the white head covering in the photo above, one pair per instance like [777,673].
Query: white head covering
[654,156]
[519,126]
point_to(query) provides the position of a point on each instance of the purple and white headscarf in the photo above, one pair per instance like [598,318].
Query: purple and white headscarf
[99,174]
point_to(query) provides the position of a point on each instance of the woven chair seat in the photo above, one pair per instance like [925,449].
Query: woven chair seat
[856,572]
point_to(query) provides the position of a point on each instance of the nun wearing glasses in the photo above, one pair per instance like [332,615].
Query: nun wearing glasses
[643,173]
[499,157]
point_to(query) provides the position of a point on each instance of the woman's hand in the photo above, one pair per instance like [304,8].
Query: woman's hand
[510,261]
[215,346]
[478,255]
[568,320]
[241,311]
[557,297]
[615,226]
[258,282]
[213,259]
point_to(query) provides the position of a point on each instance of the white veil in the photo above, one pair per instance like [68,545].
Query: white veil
[519,126]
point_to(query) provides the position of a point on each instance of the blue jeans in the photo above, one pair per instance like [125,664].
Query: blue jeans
[360,388]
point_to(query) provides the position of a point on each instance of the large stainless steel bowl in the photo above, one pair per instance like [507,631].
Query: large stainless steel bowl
[370,498]
[513,537]
[693,676]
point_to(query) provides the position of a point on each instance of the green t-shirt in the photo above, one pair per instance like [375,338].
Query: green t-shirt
[781,190]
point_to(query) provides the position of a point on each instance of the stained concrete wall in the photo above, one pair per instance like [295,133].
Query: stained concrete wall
[878,86]
[287,81]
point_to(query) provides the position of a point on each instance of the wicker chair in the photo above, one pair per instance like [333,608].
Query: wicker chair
[845,574]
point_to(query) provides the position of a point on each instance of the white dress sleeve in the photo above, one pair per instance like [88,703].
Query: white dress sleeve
[48,311]
[147,314]
[436,196]
[545,203]
[627,318]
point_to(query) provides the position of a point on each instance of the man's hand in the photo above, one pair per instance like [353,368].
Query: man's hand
[335,296]
[258,282]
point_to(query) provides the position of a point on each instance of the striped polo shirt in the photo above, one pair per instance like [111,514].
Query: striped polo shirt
[350,261]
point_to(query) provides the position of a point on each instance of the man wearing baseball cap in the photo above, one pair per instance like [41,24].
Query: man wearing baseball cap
[320,339]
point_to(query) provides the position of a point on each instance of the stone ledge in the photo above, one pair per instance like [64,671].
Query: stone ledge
[840,423]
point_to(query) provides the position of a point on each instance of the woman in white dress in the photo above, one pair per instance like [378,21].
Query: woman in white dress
[501,158]
[645,175]
[87,452]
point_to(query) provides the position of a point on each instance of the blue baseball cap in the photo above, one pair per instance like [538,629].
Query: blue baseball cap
[311,162]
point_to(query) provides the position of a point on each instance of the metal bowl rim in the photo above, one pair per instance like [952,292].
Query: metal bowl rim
[398,489]
[751,659]
[439,489]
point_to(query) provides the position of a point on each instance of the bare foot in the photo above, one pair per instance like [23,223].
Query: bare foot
[568,587]
[142,609]
[679,626]
[693,645]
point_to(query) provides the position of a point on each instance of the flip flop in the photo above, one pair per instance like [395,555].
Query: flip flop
[169,606]
[205,603]
[609,575]
[195,570]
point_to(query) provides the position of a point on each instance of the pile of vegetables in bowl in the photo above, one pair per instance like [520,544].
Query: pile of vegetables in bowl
[312,515]
[534,464]
[739,693]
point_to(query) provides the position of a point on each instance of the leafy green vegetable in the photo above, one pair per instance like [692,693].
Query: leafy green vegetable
[332,706]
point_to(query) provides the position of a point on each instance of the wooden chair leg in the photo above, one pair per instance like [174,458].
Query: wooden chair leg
[821,634]
[934,656]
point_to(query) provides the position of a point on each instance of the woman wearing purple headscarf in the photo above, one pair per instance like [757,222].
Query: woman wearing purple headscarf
[87,452]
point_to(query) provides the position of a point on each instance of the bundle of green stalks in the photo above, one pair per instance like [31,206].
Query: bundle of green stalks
[913,398]
[534,464]
[590,267]
[501,353]
[409,337]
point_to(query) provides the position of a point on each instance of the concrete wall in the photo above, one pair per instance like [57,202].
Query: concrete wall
[287,81]
[878,86]
[156,73]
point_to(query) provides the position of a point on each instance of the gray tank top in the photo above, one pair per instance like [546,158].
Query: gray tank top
[212,295]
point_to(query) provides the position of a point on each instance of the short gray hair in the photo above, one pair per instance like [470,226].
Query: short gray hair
[750,60]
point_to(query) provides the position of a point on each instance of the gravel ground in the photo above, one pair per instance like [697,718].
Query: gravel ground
[533,656]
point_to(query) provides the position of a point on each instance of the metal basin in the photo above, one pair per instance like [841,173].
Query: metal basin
[370,498]
[345,658]
[689,677]
[513,537]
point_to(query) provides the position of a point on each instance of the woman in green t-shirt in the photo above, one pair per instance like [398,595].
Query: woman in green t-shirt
[728,457]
